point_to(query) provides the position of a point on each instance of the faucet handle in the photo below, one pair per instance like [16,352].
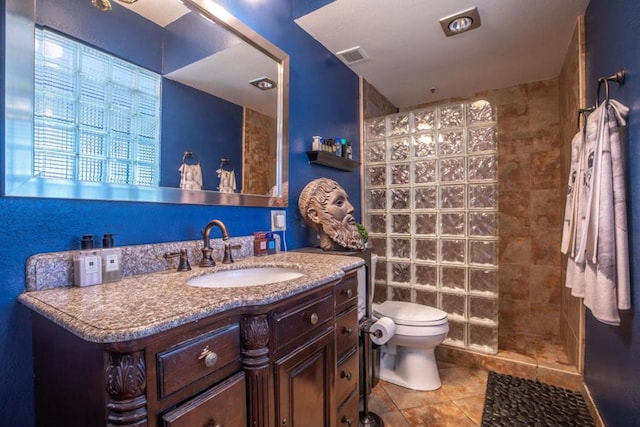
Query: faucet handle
[183,263]
[227,257]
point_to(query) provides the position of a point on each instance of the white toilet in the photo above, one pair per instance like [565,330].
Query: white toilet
[408,358]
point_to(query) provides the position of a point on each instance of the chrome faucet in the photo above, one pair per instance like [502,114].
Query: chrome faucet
[207,260]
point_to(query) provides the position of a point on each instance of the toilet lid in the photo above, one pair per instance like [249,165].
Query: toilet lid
[410,314]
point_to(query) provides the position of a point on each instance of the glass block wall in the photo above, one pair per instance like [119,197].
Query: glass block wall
[431,208]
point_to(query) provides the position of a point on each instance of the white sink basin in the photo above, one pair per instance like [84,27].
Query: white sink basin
[245,277]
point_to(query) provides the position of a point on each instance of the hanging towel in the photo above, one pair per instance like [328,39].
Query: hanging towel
[227,181]
[598,267]
[573,217]
[190,177]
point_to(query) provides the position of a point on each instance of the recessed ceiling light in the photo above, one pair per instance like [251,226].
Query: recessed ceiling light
[263,83]
[460,22]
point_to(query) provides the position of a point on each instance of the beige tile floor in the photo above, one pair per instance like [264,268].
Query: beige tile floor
[458,403]
[460,400]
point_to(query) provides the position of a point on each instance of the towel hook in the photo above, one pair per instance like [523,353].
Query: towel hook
[224,162]
[190,155]
[618,77]
[584,112]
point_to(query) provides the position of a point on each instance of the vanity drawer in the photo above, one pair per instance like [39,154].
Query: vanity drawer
[222,405]
[347,377]
[346,332]
[346,291]
[202,356]
[349,411]
[306,319]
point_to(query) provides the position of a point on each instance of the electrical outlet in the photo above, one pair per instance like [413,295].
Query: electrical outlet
[278,220]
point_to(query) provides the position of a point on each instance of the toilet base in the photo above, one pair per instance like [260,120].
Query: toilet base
[415,369]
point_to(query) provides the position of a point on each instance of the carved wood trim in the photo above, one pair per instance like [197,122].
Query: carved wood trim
[255,360]
[255,332]
[126,383]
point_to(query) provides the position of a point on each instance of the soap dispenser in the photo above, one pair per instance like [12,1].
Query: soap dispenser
[87,264]
[111,260]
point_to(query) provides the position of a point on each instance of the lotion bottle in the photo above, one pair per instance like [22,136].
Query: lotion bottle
[111,260]
[87,264]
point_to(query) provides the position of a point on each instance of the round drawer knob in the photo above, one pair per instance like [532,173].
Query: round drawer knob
[212,423]
[346,375]
[209,357]
[347,331]
[313,319]
[348,293]
[346,420]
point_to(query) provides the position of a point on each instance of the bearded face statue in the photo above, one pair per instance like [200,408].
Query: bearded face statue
[325,207]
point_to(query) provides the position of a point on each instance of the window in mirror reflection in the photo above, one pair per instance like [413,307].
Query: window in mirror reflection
[96,118]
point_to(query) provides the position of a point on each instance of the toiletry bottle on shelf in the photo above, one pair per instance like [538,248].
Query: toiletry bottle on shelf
[111,260]
[87,264]
[315,145]
[349,150]
[338,151]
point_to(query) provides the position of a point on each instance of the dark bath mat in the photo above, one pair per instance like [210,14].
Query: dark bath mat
[512,402]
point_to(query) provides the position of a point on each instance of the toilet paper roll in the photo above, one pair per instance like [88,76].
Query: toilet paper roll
[382,330]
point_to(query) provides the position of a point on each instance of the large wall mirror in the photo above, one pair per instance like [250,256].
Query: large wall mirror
[154,100]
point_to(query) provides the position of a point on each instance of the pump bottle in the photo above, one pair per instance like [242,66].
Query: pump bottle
[111,260]
[87,264]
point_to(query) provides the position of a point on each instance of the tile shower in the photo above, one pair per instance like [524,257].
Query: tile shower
[431,207]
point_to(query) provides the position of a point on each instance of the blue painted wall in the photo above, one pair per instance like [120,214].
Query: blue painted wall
[324,101]
[612,355]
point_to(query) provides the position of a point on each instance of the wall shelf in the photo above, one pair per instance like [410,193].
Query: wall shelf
[331,160]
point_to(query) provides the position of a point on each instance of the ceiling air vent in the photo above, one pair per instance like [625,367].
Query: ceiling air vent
[353,55]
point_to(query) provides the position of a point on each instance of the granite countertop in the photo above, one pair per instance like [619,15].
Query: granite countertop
[146,304]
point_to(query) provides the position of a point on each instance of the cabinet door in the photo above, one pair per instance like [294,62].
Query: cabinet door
[304,385]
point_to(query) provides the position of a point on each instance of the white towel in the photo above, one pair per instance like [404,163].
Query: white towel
[598,268]
[571,217]
[227,181]
[190,177]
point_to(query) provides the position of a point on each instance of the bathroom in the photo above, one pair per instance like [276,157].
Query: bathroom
[324,97]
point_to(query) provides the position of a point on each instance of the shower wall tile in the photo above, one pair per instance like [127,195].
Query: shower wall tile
[544,107]
[514,282]
[545,169]
[544,284]
[515,250]
[545,246]
[544,320]
[375,104]
[514,213]
[514,171]
[514,318]
[548,207]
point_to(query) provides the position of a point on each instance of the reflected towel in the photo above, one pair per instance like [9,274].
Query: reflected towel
[227,181]
[190,177]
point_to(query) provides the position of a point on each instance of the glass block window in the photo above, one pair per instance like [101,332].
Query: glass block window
[431,208]
[96,117]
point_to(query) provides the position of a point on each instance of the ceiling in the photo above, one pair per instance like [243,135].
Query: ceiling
[518,41]
[226,73]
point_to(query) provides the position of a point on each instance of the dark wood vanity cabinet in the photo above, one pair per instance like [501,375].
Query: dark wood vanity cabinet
[293,362]
[347,352]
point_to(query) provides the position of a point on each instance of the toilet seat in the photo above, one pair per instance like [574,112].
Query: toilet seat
[410,314]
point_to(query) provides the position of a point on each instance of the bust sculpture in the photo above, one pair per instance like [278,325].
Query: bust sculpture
[325,208]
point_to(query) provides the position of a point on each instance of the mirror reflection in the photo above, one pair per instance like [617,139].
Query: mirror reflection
[153,101]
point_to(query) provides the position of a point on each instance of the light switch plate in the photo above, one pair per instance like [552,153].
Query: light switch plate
[278,220]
